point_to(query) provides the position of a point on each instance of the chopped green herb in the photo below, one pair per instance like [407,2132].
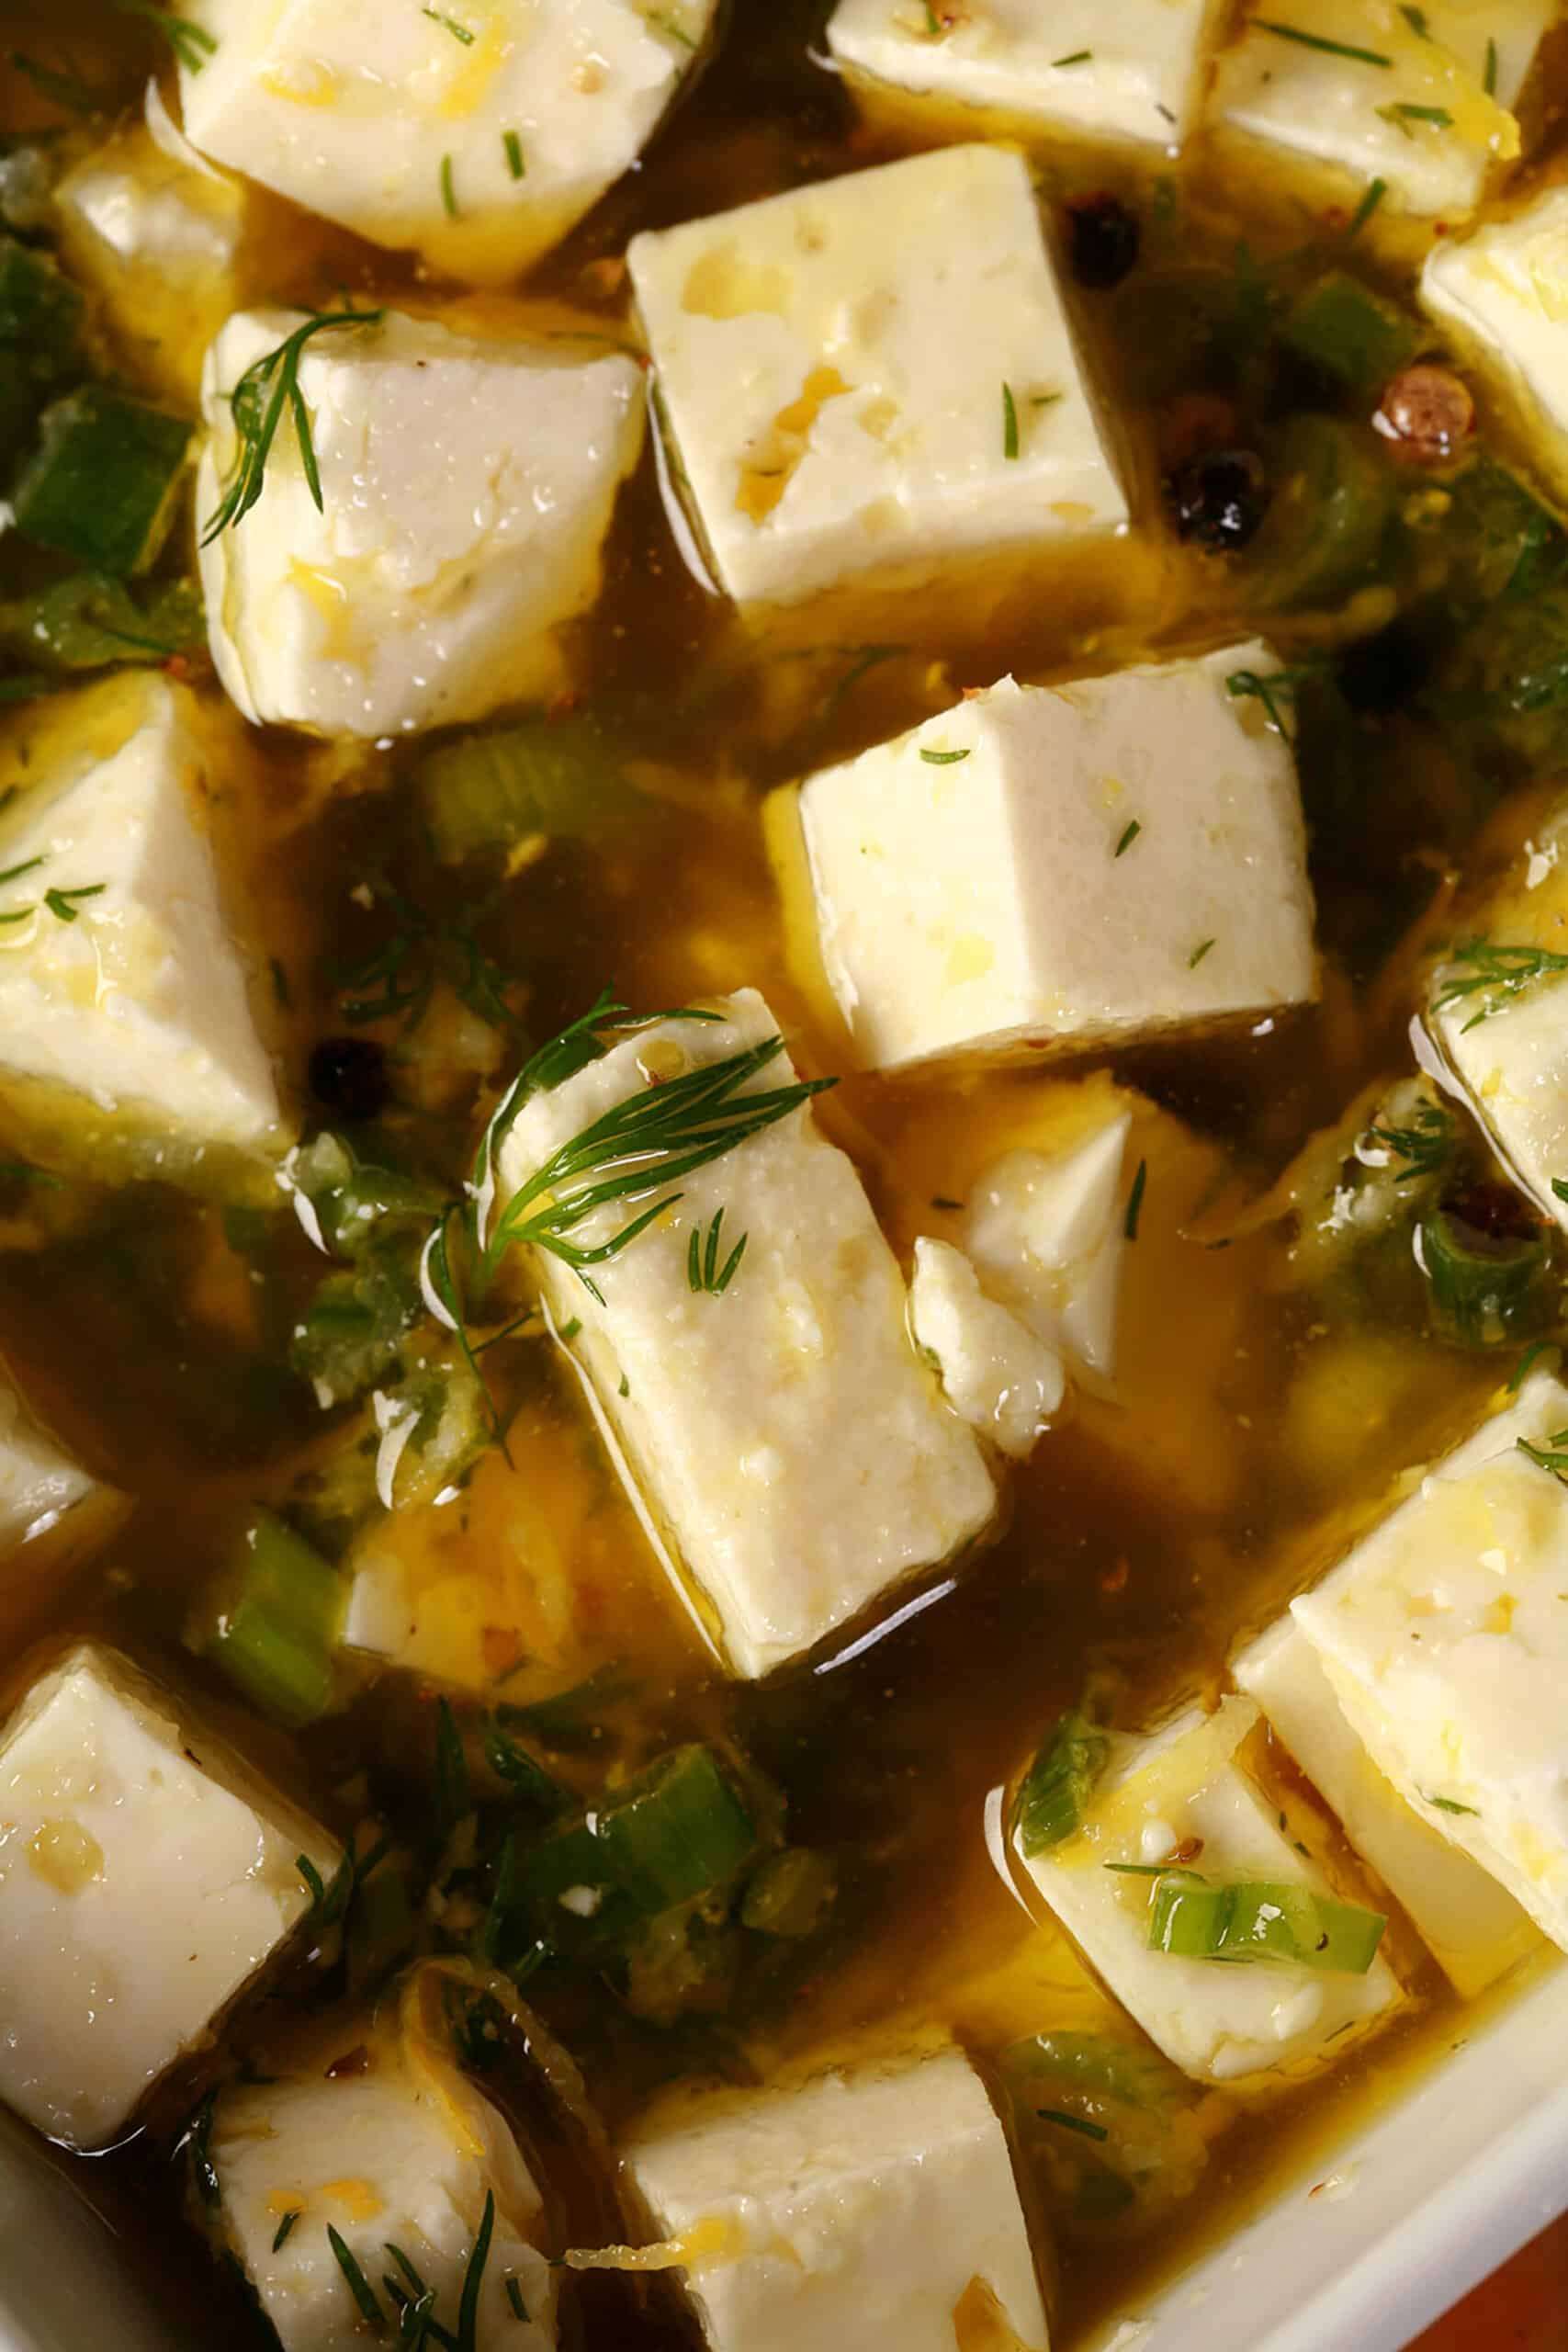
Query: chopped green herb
[1424,1144]
[1517,1376]
[1416,21]
[453,1798]
[473,2279]
[1489,78]
[1198,954]
[1376,191]
[1401,115]
[1502,971]
[284,2227]
[1010,422]
[67,90]
[1270,691]
[62,905]
[1553,1455]
[359,2287]
[515,165]
[934,25]
[196,2139]
[1451,1805]
[942,759]
[1317,41]
[1560,1186]
[192,44]
[449,189]
[1135,1200]
[270,386]
[703,1270]
[514,2297]
[450,25]
[1073,57]
[1072,2123]
[1263,1920]
[1130,834]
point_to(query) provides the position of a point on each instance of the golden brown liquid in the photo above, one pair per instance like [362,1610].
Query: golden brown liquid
[1252,1429]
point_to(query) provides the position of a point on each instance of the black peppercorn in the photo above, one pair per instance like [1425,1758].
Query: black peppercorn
[1218,498]
[348,1077]
[1102,240]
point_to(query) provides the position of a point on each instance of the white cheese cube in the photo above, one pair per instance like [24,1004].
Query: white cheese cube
[158,239]
[784,1433]
[1063,865]
[40,1483]
[1187,1789]
[995,1374]
[875,376]
[127,989]
[1475,1930]
[467,487]
[876,2207]
[1499,294]
[1049,1234]
[1368,95]
[1067,65]
[479,151]
[146,1875]
[1445,1636]
[402,2150]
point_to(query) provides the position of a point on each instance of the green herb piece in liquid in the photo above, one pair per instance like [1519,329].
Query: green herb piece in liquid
[268,388]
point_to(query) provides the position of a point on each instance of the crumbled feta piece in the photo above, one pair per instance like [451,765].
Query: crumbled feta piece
[1475,1930]
[146,1876]
[1372,94]
[480,152]
[784,1433]
[1450,1669]
[1062,866]
[467,487]
[1216,2022]
[875,376]
[1503,294]
[1049,1234]
[398,2150]
[127,989]
[1074,66]
[159,241]
[995,1374]
[875,2208]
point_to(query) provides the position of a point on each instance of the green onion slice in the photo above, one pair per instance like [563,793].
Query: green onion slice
[1058,1785]
[1263,1920]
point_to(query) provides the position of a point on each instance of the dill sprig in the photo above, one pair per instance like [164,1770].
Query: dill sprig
[268,388]
[1482,966]
[640,1146]
[1424,1144]
[1274,691]
[191,43]
[704,1271]
[359,2287]
[397,980]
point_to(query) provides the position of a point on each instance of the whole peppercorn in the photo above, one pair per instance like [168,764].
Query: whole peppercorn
[348,1077]
[1102,240]
[1218,498]
[1427,415]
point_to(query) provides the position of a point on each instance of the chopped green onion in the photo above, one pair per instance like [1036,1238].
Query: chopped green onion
[276,1641]
[677,1830]
[1073,57]
[449,189]
[1010,422]
[515,165]
[1489,78]
[1072,2123]
[942,759]
[789,1894]
[1198,954]
[1263,1920]
[1057,1789]
[100,486]
[1375,192]
[1483,1285]
[1351,333]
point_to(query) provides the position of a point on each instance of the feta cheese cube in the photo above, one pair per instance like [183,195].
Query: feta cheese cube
[400,2152]
[467,487]
[146,1876]
[1187,1782]
[875,376]
[995,1374]
[783,1433]
[1368,94]
[1445,1636]
[158,238]
[1069,67]
[40,1483]
[1475,1930]
[125,990]
[1062,866]
[1499,293]
[875,2208]
[1049,1234]
[480,153]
